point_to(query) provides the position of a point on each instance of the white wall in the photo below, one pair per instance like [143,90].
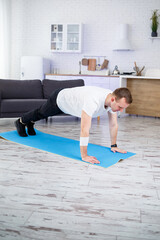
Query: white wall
[31,20]
[5,14]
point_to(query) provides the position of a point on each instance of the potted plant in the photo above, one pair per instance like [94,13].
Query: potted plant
[155,23]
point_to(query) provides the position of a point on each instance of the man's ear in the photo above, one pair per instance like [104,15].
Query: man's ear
[112,99]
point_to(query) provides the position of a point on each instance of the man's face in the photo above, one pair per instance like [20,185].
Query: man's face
[118,105]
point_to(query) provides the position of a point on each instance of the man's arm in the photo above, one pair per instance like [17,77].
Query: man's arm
[85,127]
[113,128]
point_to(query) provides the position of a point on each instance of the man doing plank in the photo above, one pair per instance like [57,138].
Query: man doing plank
[85,102]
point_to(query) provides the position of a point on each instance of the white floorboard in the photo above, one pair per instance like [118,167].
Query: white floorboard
[44,196]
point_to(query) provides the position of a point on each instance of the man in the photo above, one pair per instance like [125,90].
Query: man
[84,102]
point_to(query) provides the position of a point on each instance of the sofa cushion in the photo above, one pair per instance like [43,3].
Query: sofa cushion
[21,89]
[51,85]
[20,105]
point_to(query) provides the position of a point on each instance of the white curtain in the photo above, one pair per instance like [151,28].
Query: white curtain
[5,28]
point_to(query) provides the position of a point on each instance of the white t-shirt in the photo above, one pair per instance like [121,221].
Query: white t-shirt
[87,98]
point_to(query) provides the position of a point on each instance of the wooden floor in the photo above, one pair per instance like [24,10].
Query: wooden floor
[49,197]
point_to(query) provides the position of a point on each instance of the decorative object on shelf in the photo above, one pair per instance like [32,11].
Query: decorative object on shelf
[138,72]
[98,64]
[155,23]
[55,71]
[105,64]
[116,71]
[95,63]
[85,62]
[98,67]
[122,42]
[92,64]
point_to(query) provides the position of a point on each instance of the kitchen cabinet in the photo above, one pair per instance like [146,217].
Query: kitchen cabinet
[146,95]
[108,82]
[66,37]
[57,37]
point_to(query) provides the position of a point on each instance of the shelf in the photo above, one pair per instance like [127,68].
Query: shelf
[73,33]
[56,32]
[56,41]
[73,42]
[152,38]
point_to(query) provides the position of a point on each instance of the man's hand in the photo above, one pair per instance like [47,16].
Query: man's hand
[90,159]
[116,149]
[85,127]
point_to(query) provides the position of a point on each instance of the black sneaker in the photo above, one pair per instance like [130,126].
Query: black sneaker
[20,128]
[30,128]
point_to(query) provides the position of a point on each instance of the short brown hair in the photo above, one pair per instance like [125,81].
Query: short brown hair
[123,93]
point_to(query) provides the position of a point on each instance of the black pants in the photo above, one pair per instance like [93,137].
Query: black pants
[48,109]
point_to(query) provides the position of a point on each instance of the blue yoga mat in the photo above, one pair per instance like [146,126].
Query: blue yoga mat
[66,147]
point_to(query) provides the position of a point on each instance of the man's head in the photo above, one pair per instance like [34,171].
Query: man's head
[121,98]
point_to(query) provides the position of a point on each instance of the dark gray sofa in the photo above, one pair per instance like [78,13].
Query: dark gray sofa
[20,96]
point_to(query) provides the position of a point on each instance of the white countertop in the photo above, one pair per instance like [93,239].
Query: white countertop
[118,76]
[138,77]
[81,75]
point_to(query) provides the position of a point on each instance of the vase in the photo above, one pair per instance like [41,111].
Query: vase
[154,34]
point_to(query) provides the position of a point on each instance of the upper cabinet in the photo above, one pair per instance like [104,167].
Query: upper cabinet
[66,37]
[74,33]
[57,37]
